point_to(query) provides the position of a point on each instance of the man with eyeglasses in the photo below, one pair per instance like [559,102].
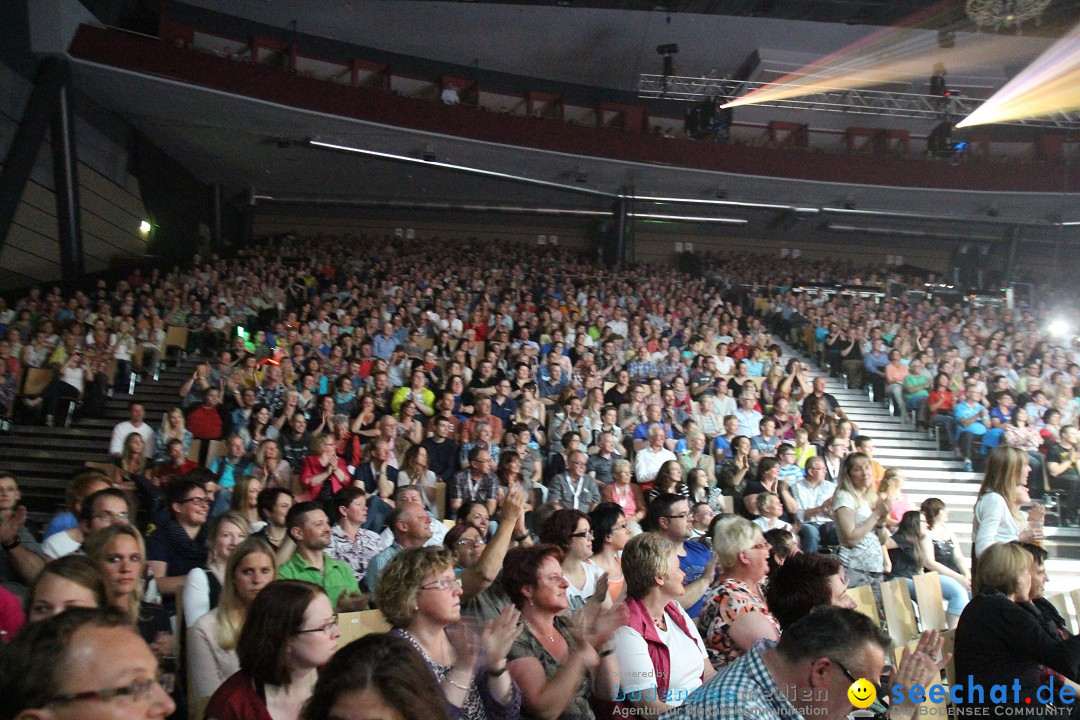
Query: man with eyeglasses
[308,527]
[574,489]
[806,674]
[100,509]
[83,664]
[178,545]
[669,515]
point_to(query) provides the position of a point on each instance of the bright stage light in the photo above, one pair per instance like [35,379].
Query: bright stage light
[898,53]
[1049,85]
[1059,327]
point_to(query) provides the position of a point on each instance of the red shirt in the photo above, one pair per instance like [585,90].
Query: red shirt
[236,699]
[205,423]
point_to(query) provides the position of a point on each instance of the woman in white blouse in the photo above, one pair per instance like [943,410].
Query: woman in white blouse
[657,628]
[997,511]
[211,640]
[203,587]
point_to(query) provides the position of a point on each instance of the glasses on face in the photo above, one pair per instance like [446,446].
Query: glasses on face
[443,583]
[583,534]
[619,527]
[200,501]
[476,542]
[110,516]
[138,691]
[764,546]
[852,678]
[680,516]
[326,628]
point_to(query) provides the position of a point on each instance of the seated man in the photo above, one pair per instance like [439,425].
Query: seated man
[83,663]
[574,489]
[308,527]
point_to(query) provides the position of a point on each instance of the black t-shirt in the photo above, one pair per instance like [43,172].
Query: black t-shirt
[1058,454]
[617,397]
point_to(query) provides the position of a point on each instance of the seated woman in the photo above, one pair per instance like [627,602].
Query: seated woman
[132,462]
[121,553]
[202,589]
[860,520]
[626,494]
[172,428]
[999,642]
[478,563]
[558,664]
[380,673]
[669,479]
[245,501]
[735,615]
[803,582]
[322,467]
[274,504]
[911,552]
[571,532]
[70,581]
[661,656]
[270,467]
[290,631]
[211,641]
[415,471]
[420,596]
[610,535]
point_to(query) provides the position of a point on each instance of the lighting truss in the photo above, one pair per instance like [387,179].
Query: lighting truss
[996,14]
[835,100]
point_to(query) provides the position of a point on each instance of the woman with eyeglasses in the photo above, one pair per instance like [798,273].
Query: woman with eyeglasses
[211,641]
[571,532]
[559,662]
[421,597]
[178,545]
[478,562]
[289,633]
[735,614]
[202,589]
[610,535]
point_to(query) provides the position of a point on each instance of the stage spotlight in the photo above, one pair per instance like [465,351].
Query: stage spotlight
[1058,327]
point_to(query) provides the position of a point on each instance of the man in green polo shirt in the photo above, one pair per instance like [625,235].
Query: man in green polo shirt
[309,528]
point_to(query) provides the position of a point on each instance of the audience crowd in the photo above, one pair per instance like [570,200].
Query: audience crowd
[642,500]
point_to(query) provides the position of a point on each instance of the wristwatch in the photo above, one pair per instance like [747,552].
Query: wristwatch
[13,544]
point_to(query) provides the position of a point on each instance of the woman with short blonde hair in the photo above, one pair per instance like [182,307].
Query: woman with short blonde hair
[1001,642]
[420,595]
[660,652]
[735,614]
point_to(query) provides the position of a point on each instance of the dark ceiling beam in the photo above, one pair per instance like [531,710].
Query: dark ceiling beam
[37,116]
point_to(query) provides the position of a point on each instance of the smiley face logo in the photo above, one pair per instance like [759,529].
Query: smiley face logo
[862,693]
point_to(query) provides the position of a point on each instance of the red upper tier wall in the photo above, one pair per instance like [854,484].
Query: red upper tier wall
[151,56]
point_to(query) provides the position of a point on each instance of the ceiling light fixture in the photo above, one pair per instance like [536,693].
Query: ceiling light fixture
[995,14]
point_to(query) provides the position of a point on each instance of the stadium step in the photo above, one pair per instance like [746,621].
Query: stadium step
[43,459]
[931,472]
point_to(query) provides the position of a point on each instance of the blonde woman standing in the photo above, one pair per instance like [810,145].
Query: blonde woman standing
[860,520]
[997,511]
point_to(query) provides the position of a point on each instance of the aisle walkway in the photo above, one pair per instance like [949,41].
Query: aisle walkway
[934,473]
